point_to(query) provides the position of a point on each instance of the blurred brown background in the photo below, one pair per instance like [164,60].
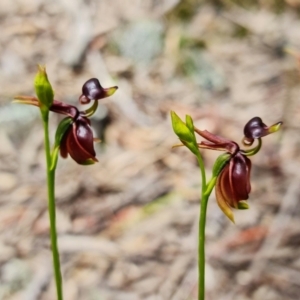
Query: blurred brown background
[128,225]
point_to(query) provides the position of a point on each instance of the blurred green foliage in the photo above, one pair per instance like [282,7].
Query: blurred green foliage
[184,11]
[276,5]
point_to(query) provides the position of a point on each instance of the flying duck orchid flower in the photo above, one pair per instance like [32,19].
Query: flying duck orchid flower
[231,172]
[74,135]
[233,179]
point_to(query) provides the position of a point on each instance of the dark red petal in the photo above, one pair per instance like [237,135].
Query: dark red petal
[64,108]
[77,149]
[217,142]
[230,147]
[222,200]
[212,146]
[225,186]
[63,144]
[249,165]
[84,135]
[216,139]
[240,177]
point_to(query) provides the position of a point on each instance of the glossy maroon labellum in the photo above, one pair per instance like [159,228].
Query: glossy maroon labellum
[78,141]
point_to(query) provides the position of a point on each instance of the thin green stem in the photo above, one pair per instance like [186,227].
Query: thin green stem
[201,248]
[205,193]
[201,237]
[51,208]
[254,150]
[211,184]
[203,175]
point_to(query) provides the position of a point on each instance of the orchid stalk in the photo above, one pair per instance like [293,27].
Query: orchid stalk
[230,174]
[73,137]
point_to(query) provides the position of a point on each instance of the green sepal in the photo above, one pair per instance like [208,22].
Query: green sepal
[43,89]
[181,129]
[62,128]
[185,132]
[242,205]
[189,123]
[220,163]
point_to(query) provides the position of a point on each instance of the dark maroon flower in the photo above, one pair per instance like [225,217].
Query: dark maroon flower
[233,179]
[77,139]
[233,182]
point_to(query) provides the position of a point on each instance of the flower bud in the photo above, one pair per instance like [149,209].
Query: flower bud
[180,128]
[185,132]
[189,123]
[43,89]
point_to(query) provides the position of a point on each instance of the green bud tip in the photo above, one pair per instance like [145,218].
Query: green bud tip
[43,88]
[189,123]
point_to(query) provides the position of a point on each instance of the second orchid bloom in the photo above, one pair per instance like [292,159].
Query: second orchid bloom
[231,173]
